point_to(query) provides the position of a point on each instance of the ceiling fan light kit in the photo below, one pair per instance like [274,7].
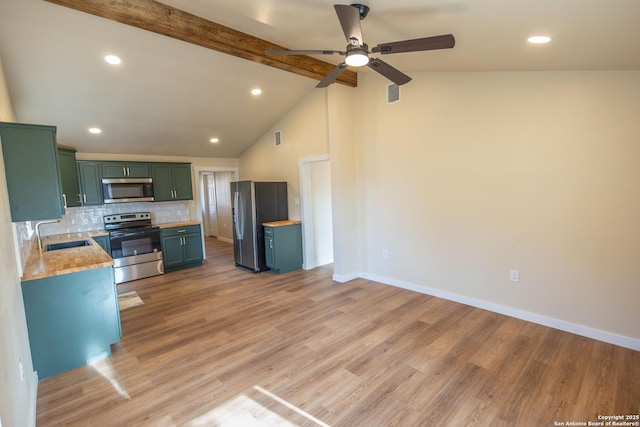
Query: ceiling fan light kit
[357,56]
[357,52]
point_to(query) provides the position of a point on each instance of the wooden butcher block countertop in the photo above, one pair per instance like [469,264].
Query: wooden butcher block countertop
[177,224]
[42,264]
[282,223]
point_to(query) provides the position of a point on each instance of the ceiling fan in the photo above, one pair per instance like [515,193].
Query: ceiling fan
[357,52]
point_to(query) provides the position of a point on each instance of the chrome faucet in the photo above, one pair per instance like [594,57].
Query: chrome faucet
[38,224]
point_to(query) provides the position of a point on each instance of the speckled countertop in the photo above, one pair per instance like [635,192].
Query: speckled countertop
[282,223]
[41,264]
[177,224]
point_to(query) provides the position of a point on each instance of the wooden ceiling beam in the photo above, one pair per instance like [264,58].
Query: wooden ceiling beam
[163,19]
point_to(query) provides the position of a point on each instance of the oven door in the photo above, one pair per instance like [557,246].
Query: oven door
[134,242]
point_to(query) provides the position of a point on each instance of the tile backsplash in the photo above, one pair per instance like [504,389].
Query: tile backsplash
[89,218]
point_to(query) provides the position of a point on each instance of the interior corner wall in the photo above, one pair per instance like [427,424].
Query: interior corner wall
[17,395]
[303,134]
[344,146]
[472,175]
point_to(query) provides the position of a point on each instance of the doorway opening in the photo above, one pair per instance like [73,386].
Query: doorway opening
[317,219]
[215,203]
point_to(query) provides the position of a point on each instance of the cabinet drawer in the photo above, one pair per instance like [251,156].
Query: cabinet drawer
[268,231]
[180,231]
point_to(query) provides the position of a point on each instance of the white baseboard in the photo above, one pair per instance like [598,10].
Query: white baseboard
[563,325]
[224,239]
[344,278]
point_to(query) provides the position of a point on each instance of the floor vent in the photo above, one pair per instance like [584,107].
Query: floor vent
[277,138]
[393,93]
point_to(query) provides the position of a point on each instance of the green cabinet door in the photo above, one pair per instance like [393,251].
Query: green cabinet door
[171,181]
[172,251]
[269,251]
[162,182]
[182,181]
[32,171]
[192,248]
[90,183]
[125,170]
[69,177]
[71,319]
[283,248]
[181,247]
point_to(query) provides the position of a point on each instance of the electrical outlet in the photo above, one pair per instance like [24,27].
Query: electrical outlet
[385,253]
[21,368]
[515,276]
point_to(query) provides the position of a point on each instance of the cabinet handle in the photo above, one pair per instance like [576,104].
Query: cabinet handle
[271,244]
[124,171]
[128,172]
[183,240]
[79,198]
[182,231]
[85,197]
[64,199]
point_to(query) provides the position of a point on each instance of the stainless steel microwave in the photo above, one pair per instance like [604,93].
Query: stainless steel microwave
[122,190]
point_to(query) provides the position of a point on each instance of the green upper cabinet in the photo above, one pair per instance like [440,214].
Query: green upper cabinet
[125,170]
[69,177]
[31,166]
[171,181]
[90,183]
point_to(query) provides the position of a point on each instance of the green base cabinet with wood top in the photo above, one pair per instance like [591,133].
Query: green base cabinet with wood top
[283,246]
[72,319]
[181,247]
[32,171]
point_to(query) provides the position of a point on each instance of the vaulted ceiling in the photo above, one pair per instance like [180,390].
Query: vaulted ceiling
[170,97]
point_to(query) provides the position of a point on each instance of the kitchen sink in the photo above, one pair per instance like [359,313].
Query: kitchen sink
[66,245]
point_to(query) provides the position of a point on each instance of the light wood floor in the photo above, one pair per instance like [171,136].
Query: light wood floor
[218,346]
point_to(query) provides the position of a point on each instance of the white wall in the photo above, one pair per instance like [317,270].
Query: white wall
[17,396]
[304,134]
[474,174]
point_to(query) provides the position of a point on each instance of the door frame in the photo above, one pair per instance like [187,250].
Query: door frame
[306,209]
[198,171]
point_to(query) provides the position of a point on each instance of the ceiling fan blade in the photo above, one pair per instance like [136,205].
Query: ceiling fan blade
[349,17]
[332,76]
[393,74]
[304,52]
[445,41]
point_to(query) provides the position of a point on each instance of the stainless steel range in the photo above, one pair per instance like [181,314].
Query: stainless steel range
[135,246]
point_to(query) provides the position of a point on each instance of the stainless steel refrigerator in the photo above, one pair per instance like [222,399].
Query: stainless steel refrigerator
[255,203]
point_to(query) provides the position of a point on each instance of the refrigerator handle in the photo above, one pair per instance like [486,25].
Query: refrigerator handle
[237,204]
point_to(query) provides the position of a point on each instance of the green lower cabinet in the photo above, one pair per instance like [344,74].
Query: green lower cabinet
[72,319]
[283,246]
[181,247]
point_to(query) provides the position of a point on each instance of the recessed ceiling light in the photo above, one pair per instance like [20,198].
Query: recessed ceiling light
[539,39]
[214,140]
[112,59]
[95,130]
[256,91]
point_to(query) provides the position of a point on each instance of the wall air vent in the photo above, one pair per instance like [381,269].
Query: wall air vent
[277,138]
[393,93]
